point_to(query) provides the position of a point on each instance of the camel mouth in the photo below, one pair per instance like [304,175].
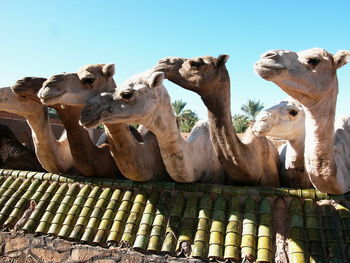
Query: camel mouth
[165,64]
[93,123]
[268,69]
[262,126]
[90,118]
[50,98]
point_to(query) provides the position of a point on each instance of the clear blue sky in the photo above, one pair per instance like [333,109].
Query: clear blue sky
[42,38]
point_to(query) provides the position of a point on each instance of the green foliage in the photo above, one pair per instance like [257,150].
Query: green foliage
[252,108]
[240,122]
[186,118]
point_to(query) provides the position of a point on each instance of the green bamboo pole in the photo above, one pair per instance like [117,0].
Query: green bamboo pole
[265,232]
[40,208]
[10,191]
[344,215]
[173,224]
[133,221]
[74,212]
[249,230]
[297,246]
[159,223]
[217,230]
[233,230]
[201,238]
[84,215]
[119,219]
[188,226]
[51,209]
[63,209]
[330,231]
[142,236]
[22,205]
[107,218]
[6,184]
[313,232]
[11,202]
[95,217]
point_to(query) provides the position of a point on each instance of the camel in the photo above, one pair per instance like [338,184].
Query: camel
[286,121]
[90,160]
[143,99]
[13,155]
[250,161]
[54,155]
[310,77]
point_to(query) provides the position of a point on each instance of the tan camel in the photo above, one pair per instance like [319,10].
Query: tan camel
[252,160]
[143,99]
[90,160]
[137,158]
[54,155]
[286,121]
[310,77]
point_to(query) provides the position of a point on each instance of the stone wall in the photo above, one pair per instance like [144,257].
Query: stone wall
[26,248]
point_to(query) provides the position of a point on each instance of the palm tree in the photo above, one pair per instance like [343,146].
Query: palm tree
[178,106]
[186,119]
[240,122]
[252,108]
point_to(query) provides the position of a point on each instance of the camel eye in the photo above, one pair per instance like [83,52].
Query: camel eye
[127,94]
[313,61]
[293,113]
[88,81]
[196,63]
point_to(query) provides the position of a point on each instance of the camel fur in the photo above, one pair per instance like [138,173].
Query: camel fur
[90,160]
[143,99]
[286,120]
[310,77]
[250,161]
[54,155]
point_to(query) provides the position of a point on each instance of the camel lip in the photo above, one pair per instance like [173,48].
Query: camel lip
[268,64]
[51,99]
[90,124]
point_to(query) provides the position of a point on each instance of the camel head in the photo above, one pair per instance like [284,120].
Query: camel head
[306,76]
[28,87]
[195,74]
[134,101]
[75,88]
[13,103]
[285,120]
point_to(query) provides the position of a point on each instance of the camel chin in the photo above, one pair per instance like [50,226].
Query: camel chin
[267,71]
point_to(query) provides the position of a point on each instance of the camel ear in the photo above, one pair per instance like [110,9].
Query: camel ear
[108,70]
[341,58]
[156,79]
[221,60]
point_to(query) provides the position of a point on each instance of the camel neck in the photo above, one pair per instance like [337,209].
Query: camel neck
[80,143]
[45,142]
[173,147]
[136,160]
[295,151]
[319,137]
[228,146]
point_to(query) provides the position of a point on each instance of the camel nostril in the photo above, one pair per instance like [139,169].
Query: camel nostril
[270,54]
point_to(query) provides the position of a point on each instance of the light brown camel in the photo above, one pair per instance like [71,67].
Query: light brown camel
[286,121]
[310,77]
[54,155]
[143,99]
[13,155]
[137,158]
[90,160]
[252,160]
